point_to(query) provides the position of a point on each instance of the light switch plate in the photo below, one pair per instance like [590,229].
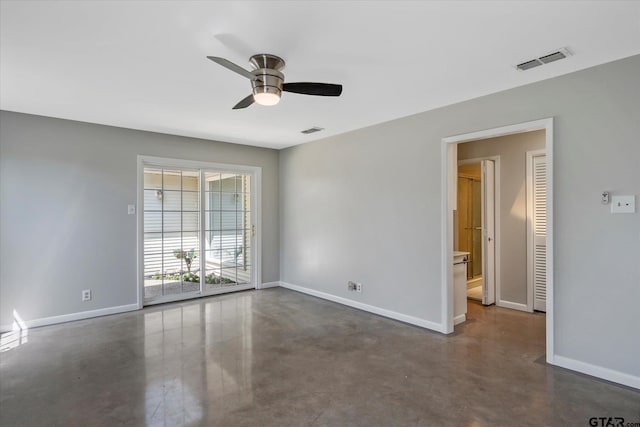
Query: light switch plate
[623,204]
[131,209]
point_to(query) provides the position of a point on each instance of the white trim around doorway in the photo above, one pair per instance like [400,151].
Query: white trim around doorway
[448,204]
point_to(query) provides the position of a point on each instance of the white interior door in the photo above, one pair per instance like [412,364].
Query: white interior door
[488,233]
[538,221]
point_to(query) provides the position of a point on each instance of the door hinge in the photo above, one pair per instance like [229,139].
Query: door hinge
[253,230]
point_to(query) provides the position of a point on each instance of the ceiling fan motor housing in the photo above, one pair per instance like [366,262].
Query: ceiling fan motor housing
[268,81]
[267,70]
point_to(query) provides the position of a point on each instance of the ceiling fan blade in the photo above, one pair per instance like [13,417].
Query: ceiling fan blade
[244,103]
[320,89]
[233,67]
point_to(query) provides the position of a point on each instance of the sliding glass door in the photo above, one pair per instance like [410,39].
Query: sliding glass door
[198,229]
[228,229]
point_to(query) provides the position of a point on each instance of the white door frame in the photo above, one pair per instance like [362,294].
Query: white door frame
[530,232]
[448,204]
[496,161]
[256,203]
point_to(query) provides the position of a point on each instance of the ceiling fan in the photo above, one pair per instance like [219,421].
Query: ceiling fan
[268,83]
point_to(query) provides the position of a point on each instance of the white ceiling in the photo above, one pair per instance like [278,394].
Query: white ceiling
[142,65]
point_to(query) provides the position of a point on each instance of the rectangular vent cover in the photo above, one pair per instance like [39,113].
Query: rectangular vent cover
[545,59]
[529,65]
[552,57]
[312,130]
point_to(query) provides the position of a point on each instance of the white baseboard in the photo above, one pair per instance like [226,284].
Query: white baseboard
[269,285]
[597,371]
[459,319]
[512,305]
[366,307]
[45,321]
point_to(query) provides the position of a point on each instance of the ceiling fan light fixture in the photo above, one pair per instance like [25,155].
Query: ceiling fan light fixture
[266,95]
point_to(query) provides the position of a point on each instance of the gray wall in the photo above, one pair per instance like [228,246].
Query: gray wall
[64,190]
[512,150]
[366,206]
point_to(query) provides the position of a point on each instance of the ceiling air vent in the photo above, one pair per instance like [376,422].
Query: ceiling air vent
[552,57]
[312,130]
[529,65]
[545,59]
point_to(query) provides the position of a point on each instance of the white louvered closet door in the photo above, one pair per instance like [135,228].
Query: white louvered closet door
[539,181]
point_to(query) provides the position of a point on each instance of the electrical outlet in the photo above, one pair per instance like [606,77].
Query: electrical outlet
[86,295]
[354,286]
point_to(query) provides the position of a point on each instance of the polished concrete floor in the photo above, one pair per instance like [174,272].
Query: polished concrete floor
[277,357]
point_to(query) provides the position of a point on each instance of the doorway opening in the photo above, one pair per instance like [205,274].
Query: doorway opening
[497,245]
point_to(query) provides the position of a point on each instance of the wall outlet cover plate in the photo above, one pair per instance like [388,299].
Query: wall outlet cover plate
[623,204]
